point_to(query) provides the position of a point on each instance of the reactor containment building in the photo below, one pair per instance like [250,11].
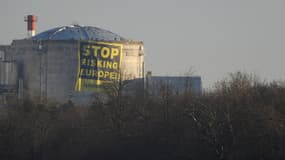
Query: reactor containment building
[68,63]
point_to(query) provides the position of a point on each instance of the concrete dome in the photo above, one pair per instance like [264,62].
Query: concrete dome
[76,32]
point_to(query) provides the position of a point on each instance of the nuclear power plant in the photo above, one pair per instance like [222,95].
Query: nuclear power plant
[68,63]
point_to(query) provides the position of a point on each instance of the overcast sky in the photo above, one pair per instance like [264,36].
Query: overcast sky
[215,37]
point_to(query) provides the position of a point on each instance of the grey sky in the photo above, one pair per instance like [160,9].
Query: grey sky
[214,36]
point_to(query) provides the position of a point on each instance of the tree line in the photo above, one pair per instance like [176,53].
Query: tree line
[241,118]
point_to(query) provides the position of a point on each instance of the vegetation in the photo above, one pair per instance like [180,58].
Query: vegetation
[242,118]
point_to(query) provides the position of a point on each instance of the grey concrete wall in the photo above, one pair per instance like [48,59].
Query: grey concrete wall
[61,70]
[27,57]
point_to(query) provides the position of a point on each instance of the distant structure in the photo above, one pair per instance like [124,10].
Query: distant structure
[54,65]
[176,84]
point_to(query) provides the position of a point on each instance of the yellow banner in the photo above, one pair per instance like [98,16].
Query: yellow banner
[99,64]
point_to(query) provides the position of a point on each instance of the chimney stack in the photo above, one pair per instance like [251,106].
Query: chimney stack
[31,25]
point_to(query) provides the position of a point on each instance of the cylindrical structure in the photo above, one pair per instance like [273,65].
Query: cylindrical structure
[31,25]
[8,73]
[50,63]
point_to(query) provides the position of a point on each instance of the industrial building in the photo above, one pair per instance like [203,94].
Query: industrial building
[176,84]
[67,63]
[44,67]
